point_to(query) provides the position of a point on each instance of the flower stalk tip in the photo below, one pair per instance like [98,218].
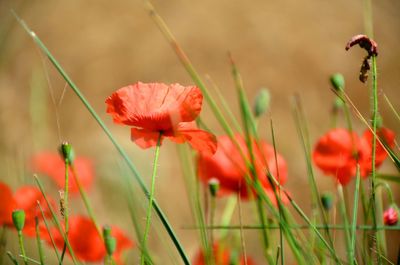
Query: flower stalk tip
[67,152]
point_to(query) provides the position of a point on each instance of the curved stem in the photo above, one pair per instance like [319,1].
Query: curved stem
[151,198]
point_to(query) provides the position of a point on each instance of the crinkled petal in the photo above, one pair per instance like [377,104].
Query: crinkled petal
[200,140]
[145,138]
[154,106]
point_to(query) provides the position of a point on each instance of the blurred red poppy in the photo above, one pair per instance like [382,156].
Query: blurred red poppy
[7,204]
[228,166]
[86,241]
[52,165]
[25,198]
[222,256]
[338,152]
[156,108]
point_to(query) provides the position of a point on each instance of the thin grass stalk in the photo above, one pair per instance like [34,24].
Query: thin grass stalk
[151,198]
[190,178]
[56,221]
[250,132]
[48,231]
[343,212]
[123,154]
[242,241]
[227,215]
[12,258]
[85,200]
[225,106]
[3,243]
[39,241]
[353,233]
[302,130]
[278,198]
[296,227]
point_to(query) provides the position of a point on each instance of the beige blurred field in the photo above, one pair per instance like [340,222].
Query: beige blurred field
[287,46]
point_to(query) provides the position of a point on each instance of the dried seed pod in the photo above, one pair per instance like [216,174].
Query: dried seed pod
[366,43]
[365,67]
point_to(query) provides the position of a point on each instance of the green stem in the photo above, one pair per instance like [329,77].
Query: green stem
[39,241]
[66,206]
[85,199]
[343,212]
[21,246]
[123,154]
[3,243]
[354,218]
[48,231]
[151,199]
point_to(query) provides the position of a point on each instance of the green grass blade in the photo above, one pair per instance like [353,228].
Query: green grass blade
[353,234]
[119,148]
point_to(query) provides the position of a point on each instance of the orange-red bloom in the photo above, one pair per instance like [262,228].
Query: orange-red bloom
[222,256]
[156,108]
[86,241]
[338,152]
[228,166]
[25,198]
[52,165]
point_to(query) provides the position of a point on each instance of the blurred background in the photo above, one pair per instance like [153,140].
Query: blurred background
[286,46]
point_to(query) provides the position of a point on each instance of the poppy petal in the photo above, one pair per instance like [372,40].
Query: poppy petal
[144,138]
[154,106]
[7,204]
[52,165]
[200,140]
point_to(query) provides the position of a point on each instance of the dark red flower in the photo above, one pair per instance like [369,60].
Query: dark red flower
[338,152]
[25,198]
[228,166]
[156,108]
[222,256]
[86,241]
[390,216]
[52,165]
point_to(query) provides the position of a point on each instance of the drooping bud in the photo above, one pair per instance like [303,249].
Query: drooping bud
[18,217]
[262,102]
[390,216]
[67,152]
[327,200]
[213,185]
[337,81]
[109,241]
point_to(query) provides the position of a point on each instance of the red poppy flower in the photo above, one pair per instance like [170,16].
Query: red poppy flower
[156,108]
[338,152]
[222,256]
[52,165]
[228,166]
[86,242]
[25,198]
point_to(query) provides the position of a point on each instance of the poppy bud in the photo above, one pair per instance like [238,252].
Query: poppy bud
[18,217]
[390,216]
[327,200]
[213,185]
[109,241]
[337,81]
[262,102]
[67,152]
